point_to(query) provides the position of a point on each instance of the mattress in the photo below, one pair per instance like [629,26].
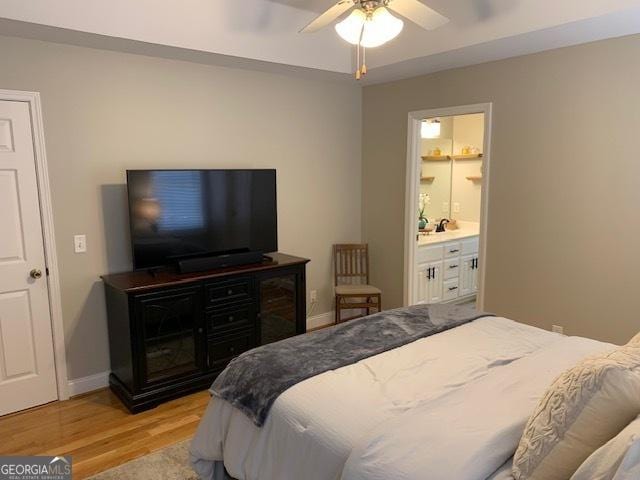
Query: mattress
[332,426]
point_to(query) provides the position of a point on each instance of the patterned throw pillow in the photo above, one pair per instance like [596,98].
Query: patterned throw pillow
[585,407]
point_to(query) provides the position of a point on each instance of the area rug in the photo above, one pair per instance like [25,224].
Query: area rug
[169,463]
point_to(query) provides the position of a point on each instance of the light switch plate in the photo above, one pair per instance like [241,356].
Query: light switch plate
[80,243]
[445,207]
[456,207]
[313,296]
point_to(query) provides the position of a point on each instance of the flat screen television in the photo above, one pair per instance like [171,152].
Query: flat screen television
[182,214]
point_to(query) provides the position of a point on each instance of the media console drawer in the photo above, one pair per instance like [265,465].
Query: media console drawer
[221,351]
[228,291]
[240,316]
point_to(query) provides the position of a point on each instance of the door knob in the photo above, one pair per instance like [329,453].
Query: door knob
[35,273]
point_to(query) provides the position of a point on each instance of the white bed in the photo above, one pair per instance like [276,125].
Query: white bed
[452,405]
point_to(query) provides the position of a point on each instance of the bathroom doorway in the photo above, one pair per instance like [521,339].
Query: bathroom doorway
[446,205]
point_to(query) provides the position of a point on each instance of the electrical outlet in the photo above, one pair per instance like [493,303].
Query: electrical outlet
[445,207]
[557,329]
[80,243]
[456,207]
[313,296]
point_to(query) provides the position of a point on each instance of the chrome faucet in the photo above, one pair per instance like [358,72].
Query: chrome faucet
[440,227]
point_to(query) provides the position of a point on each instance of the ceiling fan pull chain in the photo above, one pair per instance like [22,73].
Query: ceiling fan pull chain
[363,69]
[359,71]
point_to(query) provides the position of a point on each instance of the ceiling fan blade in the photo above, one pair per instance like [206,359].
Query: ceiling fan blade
[329,16]
[418,13]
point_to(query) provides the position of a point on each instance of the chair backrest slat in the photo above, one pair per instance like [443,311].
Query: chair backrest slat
[351,263]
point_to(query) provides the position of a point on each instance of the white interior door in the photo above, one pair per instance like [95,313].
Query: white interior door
[27,369]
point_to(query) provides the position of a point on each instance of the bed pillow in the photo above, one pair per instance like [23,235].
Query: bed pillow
[604,463]
[629,469]
[585,407]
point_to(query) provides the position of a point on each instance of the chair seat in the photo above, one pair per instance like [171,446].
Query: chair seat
[357,290]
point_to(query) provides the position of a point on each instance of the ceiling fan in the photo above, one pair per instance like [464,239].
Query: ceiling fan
[370,24]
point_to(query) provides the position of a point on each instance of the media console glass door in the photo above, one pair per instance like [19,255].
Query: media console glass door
[279,307]
[172,334]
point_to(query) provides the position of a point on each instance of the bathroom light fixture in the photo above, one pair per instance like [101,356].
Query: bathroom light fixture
[430,128]
[369,29]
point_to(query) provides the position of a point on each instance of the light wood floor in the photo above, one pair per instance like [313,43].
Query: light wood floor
[98,431]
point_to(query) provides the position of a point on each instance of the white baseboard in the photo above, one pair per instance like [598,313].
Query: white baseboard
[321,320]
[88,384]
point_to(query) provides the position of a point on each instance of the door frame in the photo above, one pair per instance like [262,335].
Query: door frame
[412,187]
[46,219]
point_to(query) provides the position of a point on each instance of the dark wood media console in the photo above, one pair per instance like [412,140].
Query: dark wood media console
[171,334]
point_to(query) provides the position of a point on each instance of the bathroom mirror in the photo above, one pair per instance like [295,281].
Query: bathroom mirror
[451,176]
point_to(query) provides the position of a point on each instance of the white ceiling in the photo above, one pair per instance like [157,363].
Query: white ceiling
[267,30]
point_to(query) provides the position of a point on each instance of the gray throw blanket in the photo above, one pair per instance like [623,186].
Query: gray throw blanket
[253,381]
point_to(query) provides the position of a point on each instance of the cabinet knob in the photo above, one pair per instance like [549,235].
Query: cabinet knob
[452,288]
[229,292]
[231,318]
[455,250]
[232,349]
[453,266]
[200,330]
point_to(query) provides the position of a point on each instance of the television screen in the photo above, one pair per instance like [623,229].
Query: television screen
[178,214]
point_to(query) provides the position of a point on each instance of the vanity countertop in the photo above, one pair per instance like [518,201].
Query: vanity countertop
[467,229]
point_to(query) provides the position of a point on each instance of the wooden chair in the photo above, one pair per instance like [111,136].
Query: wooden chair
[351,280]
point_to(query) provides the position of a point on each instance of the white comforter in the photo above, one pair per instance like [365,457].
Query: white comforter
[448,406]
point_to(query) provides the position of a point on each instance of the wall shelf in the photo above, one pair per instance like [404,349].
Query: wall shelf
[472,156]
[444,158]
[474,178]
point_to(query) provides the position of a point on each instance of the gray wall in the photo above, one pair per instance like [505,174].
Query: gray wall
[565,183]
[564,221]
[105,112]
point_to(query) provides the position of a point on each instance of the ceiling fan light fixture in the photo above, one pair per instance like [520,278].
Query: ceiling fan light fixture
[369,30]
[350,29]
[380,27]
[369,23]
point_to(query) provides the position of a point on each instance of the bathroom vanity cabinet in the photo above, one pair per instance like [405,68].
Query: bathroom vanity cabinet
[447,271]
